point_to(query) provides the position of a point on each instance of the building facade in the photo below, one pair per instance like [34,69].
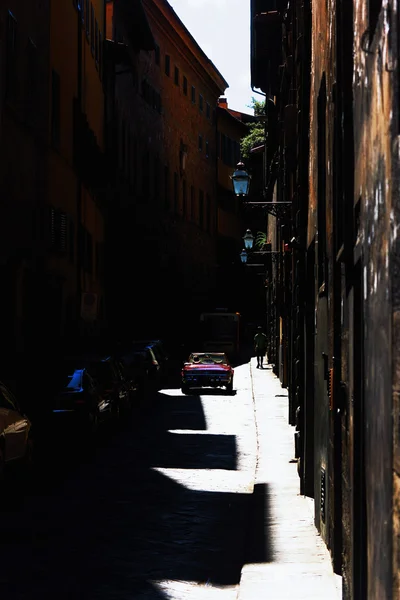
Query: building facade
[166,93]
[231,128]
[337,91]
[77,188]
[52,140]
[24,112]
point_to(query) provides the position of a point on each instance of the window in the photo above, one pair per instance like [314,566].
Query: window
[200,142]
[167,65]
[11,72]
[58,230]
[192,203]
[193,94]
[201,103]
[31,78]
[96,42]
[157,55]
[184,198]
[176,192]
[55,109]
[176,78]
[208,110]
[87,23]
[223,148]
[185,85]
[71,241]
[92,34]
[201,208]
[207,149]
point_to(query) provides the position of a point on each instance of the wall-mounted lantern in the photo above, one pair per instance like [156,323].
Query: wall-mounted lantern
[241,180]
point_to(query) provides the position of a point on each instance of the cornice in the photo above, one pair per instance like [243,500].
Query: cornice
[166,18]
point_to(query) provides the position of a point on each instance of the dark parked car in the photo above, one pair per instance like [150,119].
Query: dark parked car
[80,402]
[153,364]
[113,386]
[16,441]
[135,368]
[207,369]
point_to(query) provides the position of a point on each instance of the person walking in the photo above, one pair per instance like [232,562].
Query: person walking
[260,346]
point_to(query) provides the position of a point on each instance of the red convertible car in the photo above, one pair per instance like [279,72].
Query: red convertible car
[207,369]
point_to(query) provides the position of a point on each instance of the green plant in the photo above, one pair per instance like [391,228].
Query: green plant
[256,135]
[261,239]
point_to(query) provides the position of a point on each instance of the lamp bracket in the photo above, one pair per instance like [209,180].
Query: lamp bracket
[277,209]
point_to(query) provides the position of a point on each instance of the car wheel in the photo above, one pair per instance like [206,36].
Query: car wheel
[185,389]
[229,387]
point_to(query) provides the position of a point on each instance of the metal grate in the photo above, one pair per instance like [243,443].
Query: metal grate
[323,494]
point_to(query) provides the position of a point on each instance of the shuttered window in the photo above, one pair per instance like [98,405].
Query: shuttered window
[58,230]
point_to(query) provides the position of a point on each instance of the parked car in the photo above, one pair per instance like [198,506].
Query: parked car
[16,441]
[114,388]
[207,369]
[135,367]
[80,403]
[153,365]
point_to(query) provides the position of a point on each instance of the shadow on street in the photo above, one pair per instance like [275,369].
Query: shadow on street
[103,523]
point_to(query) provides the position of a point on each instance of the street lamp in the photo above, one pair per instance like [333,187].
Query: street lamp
[243,256]
[241,180]
[248,239]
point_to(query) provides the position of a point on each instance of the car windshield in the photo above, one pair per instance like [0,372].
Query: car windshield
[73,381]
[209,358]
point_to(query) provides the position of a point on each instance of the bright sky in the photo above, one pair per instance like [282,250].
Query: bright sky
[222,30]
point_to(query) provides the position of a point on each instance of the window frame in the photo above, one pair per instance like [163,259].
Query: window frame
[167,65]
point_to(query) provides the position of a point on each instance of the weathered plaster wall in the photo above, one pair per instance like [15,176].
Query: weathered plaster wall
[373,119]
[320,167]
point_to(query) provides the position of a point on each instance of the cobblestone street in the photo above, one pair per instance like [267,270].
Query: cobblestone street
[156,511]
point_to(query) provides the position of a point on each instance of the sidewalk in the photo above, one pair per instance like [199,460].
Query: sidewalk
[299,565]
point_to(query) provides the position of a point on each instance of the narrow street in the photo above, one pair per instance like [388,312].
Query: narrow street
[195,498]
[159,510]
